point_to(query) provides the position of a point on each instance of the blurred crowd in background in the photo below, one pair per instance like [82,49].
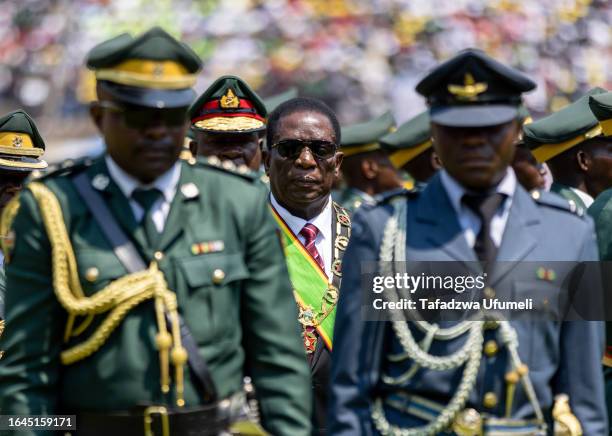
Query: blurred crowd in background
[360,56]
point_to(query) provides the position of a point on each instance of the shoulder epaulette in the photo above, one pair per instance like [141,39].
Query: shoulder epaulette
[68,166]
[385,197]
[225,166]
[556,201]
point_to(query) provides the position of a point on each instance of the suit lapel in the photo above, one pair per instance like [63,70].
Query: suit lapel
[437,216]
[520,234]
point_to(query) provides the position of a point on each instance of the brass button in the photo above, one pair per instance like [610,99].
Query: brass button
[491,324]
[468,422]
[218,276]
[158,255]
[491,348]
[489,400]
[92,274]
[489,292]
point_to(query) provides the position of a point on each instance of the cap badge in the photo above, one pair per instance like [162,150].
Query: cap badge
[230,100]
[470,89]
[17,141]
[158,69]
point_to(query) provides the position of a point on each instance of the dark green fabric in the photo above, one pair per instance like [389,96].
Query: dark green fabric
[601,211]
[155,44]
[601,106]
[20,122]
[146,198]
[218,90]
[567,193]
[248,323]
[565,124]
[413,132]
[274,101]
[367,132]
[351,198]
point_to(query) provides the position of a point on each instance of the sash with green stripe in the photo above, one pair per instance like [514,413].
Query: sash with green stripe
[309,282]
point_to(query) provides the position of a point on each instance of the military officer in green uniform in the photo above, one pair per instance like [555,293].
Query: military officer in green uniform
[141,287]
[366,168]
[21,148]
[601,211]
[229,122]
[412,151]
[570,141]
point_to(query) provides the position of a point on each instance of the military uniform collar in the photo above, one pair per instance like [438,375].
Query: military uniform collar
[455,190]
[586,198]
[167,183]
[323,221]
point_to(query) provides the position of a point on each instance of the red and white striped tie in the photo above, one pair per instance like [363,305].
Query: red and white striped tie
[310,232]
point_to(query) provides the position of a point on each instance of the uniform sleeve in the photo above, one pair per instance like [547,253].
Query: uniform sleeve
[580,372]
[357,344]
[34,320]
[275,356]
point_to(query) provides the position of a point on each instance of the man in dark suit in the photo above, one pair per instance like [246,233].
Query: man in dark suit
[524,376]
[302,161]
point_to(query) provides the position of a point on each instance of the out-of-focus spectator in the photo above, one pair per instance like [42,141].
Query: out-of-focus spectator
[361,57]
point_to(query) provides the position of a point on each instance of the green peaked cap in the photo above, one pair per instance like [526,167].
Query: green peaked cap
[20,143]
[364,137]
[155,44]
[152,70]
[601,106]
[562,130]
[275,100]
[410,140]
[229,105]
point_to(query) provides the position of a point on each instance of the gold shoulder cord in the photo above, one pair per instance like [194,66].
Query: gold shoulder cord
[115,300]
[6,221]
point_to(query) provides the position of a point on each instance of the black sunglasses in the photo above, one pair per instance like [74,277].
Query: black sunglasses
[292,148]
[138,117]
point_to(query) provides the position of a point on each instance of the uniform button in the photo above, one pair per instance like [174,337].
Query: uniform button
[491,348]
[489,400]
[535,195]
[92,274]
[489,292]
[218,276]
[158,255]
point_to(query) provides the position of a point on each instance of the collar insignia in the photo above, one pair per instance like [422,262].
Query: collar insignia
[190,190]
[100,182]
[230,100]
[470,89]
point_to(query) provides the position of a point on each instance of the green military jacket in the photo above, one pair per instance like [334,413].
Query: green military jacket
[243,320]
[351,198]
[567,193]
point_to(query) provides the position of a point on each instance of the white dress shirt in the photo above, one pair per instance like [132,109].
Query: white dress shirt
[323,222]
[166,183]
[468,220]
[586,198]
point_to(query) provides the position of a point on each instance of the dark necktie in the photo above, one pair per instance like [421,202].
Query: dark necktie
[485,207]
[146,198]
[310,232]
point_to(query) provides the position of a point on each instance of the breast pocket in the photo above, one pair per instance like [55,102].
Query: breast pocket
[214,283]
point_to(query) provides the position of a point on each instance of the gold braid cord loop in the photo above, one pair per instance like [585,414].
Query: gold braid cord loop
[115,300]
